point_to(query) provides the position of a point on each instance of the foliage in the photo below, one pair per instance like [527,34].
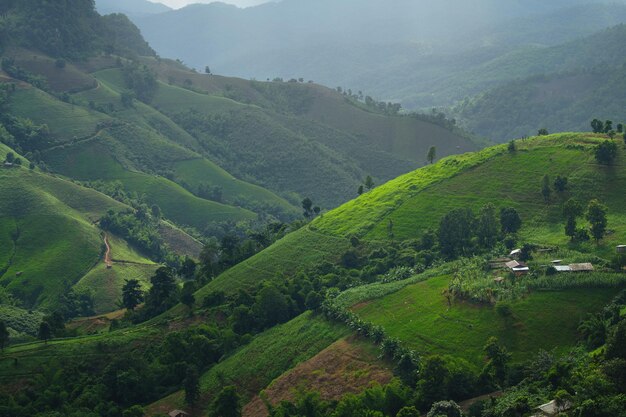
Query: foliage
[606,152]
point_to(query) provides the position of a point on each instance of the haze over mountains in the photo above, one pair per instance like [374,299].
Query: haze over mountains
[391,51]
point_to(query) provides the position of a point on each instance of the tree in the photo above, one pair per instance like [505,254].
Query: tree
[207,70]
[620,128]
[132,294]
[187,297]
[10,157]
[192,386]
[527,252]
[546,191]
[271,307]
[156,211]
[560,183]
[512,147]
[487,226]
[571,210]
[456,231]
[497,360]
[445,409]
[226,404]
[432,154]
[597,126]
[510,221]
[163,293]
[4,335]
[408,412]
[543,132]
[307,205]
[134,411]
[369,183]
[596,215]
[608,126]
[606,152]
[188,268]
[360,190]
[45,332]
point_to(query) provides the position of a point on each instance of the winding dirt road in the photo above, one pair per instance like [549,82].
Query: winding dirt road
[107,255]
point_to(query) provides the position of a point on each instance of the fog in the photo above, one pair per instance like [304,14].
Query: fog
[177,4]
[396,50]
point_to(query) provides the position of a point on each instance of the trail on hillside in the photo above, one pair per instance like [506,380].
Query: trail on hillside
[107,255]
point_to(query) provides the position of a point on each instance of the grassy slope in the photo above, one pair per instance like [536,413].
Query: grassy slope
[56,241]
[267,357]
[419,316]
[127,264]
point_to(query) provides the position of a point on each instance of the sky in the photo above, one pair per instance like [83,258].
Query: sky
[181,3]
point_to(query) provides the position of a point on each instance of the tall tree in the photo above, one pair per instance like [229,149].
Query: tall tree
[432,154]
[307,205]
[226,404]
[487,226]
[369,183]
[596,215]
[510,220]
[4,335]
[192,386]
[45,332]
[456,232]
[163,293]
[132,294]
[606,152]
[597,126]
[571,210]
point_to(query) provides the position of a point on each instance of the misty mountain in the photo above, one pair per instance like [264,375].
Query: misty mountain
[131,8]
[392,52]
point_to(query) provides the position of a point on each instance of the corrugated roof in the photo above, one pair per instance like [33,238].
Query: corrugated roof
[581,267]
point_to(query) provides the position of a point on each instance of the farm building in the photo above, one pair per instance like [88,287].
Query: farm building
[621,249]
[518,268]
[515,253]
[585,267]
[177,413]
[552,409]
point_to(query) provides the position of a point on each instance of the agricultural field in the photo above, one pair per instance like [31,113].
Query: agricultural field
[419,315]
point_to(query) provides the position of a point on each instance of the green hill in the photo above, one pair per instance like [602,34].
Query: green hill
[544,311]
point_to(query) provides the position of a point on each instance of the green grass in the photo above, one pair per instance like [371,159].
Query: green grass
[65,121]
[50,222]
[69,78]
[300,249]
[106,284]
[93,160]
[417,201]
[419,316]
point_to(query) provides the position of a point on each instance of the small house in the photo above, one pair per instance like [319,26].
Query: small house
[515,253]
[518,268]
[563,268]
[585,267]
[178,413]
[621,249]
[552,409]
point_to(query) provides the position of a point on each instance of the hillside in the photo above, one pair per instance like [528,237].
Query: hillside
[413,309]
[555,102]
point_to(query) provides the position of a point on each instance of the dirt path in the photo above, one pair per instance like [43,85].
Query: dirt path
[107,255]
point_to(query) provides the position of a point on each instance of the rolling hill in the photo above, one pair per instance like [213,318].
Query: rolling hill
[414,310]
